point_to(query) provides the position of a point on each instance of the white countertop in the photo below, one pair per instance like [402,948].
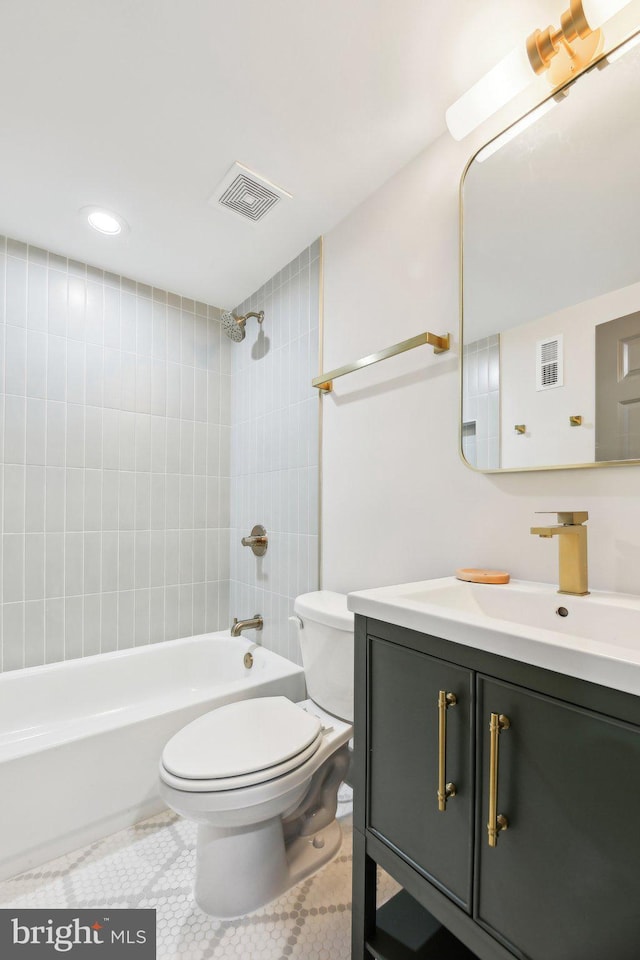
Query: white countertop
[597,640]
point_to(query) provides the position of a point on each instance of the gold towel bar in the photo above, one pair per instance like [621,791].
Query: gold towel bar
[324,382]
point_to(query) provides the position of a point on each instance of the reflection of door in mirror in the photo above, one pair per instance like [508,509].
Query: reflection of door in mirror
[481,403]
[618,389]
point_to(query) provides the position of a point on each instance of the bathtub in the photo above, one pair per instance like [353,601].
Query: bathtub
[80,740]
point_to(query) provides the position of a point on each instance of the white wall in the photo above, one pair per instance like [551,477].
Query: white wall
[398,503]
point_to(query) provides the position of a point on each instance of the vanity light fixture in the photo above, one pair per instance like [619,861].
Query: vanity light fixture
[105,221]
[517,128]
[557,52]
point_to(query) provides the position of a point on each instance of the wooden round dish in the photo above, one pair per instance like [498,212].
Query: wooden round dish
[474,575]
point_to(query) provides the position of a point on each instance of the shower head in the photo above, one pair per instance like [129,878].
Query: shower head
[234,327]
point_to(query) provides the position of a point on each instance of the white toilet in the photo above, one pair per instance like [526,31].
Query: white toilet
[261,776]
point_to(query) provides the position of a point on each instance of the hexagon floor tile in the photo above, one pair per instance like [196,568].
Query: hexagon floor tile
[151,865]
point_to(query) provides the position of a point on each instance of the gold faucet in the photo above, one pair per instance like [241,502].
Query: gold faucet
[255,623]
[573,550]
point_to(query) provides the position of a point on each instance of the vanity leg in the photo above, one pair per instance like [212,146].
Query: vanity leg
[363,917]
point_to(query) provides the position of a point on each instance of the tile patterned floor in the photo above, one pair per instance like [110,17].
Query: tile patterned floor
[151,865]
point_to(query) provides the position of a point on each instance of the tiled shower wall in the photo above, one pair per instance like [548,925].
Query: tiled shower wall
[481,403]
[115,461]
[274,451]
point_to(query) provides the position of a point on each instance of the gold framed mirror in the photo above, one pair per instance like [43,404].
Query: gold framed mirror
[550,276]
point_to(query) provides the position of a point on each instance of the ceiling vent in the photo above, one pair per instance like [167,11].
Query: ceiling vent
[247,193]
[549,363]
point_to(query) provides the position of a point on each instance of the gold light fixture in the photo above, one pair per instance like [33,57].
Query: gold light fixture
[560,53]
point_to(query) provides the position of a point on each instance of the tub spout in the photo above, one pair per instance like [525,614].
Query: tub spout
[255,623]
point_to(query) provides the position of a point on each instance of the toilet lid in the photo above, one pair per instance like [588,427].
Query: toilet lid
[240,738]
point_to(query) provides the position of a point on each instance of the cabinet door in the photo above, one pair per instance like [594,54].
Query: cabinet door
[563,881]
[403,759]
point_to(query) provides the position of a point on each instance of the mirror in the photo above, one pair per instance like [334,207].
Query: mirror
[551,282]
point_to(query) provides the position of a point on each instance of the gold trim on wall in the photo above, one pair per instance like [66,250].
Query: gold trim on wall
[320,404]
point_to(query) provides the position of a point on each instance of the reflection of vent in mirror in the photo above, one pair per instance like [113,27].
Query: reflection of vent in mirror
[549,367]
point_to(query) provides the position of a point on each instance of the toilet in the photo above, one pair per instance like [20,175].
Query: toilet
[261,776]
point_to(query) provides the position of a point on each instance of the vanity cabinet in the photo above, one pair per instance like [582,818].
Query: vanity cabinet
[403,739]
[563,879]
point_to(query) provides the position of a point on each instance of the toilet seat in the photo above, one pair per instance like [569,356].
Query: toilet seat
[241,744]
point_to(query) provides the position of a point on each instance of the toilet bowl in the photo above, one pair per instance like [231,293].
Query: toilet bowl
[261,776]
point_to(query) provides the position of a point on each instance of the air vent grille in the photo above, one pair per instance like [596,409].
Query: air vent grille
[248,193]
[549,365]
[248,198]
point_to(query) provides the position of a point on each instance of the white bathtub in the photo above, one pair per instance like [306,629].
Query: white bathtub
[80,740]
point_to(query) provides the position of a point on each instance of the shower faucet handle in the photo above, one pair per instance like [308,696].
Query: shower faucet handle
[258,540]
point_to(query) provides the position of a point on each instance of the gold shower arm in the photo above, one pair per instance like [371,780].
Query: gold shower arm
[324,382]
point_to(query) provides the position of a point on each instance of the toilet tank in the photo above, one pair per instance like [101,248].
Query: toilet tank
[326,642]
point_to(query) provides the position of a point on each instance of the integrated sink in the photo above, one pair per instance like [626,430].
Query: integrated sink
[595,637]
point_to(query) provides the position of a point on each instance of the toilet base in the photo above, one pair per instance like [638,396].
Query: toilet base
[239,871]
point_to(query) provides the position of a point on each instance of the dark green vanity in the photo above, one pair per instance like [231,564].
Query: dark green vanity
[562,881]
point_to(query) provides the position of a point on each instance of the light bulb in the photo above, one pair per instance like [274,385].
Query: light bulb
[105,221]
[506,80]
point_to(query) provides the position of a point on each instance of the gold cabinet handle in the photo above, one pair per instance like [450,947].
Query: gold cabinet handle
[497,822]
[445,790]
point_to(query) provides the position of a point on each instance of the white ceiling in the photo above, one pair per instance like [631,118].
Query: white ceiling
[143,105]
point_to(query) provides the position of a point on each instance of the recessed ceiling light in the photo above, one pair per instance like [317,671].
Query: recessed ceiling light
[105,221]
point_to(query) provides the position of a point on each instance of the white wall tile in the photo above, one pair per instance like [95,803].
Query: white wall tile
[34,633]
[56,368]
[110,487]
[13,647]
[75,435]
[54,565]
[75,371]
[73,564]
[94,393]
[57,303]
[127,440]
[36,432]
[37,346]
[93,437]
[74,499]
[156,615]
[126,560]
[15,361]
[56,433]
[92,562]
[104,493]
[91,624]
[73,627]
[126,500]
[76,308]
[16,292]
[108,622]
[15,429]
[34,566]
[109,561]
[142,614]
[13,567]
[34,499]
